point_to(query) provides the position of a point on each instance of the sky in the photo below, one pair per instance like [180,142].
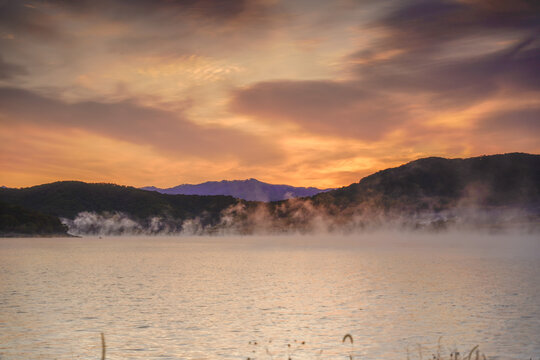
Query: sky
[299,92]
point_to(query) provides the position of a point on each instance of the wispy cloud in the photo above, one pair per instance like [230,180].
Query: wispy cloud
[162,130]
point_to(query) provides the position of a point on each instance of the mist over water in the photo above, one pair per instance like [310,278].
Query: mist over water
[298,216]
[212,297]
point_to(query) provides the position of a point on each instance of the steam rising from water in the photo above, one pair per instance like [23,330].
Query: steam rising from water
[118,223]
[299,216]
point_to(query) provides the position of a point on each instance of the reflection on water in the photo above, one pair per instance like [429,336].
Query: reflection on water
[230,298]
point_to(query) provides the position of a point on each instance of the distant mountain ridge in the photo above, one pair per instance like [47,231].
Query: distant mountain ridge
[426,193]
[250,189]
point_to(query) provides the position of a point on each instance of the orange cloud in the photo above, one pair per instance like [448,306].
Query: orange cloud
[164,92]
[162,130]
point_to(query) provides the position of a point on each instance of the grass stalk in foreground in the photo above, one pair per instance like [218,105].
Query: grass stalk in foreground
[454,355]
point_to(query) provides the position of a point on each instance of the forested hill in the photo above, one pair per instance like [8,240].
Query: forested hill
[509,180]
[66,199]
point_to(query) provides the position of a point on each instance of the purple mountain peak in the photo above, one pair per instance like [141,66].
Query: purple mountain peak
[248,189]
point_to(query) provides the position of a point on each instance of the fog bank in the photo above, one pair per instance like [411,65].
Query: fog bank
[300,216]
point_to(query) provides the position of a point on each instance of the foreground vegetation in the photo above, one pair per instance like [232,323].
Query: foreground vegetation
[472,354]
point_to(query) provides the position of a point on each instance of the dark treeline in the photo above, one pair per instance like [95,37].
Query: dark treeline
[18,221]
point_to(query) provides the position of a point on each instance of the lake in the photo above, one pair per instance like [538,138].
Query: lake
[270,297]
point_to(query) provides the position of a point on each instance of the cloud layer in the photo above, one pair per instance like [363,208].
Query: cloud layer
[307,93]
[162,130]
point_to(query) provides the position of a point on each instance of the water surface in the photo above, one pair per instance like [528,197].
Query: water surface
[213,297]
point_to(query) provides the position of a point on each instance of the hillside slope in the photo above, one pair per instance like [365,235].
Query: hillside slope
[437,183]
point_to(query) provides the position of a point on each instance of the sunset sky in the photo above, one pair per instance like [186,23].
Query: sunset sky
[306,93]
